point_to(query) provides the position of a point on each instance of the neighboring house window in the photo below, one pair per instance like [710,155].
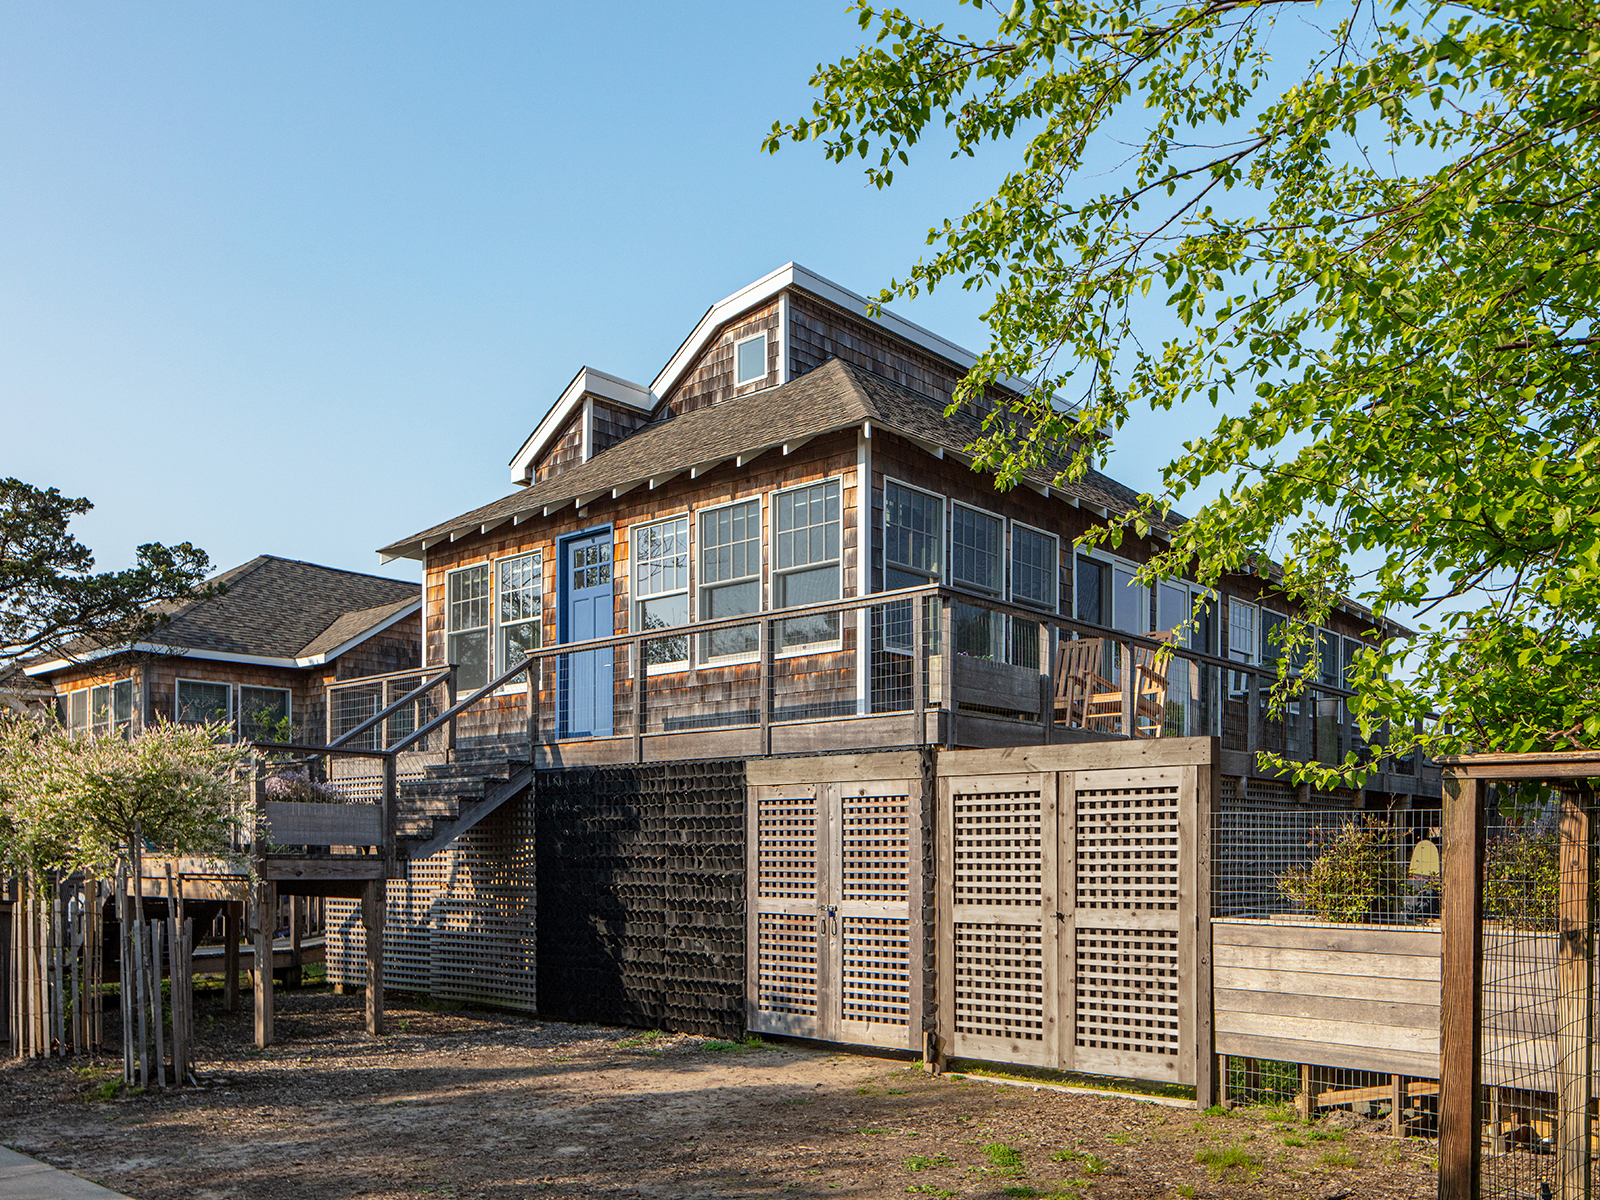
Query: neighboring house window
[262,713]
[467,626]
[1241,643]
[78,711]
[199,702]
[913,537]
[975,550]
[1130,601]
[1273,628]
[806,562]
[520,611]
[100,709]
[1327,658]
[122,706]
[1034,573]
[750,360]
[661,588]
[730,577]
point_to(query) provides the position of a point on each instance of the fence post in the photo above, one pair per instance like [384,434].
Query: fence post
[1047,681]
[1460,999]
[1130,684]
[1574,1003]
[764,684]
[947,655]
[390,805]
[1252,719]
[533,706]
[639,670]
[266,920]
[373,896]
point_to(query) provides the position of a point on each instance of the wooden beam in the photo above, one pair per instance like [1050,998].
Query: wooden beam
[1461,1007]
[265,921]
[372,906]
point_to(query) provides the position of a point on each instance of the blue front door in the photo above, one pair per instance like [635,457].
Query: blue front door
[587,612]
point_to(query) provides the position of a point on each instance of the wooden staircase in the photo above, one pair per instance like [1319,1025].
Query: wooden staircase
[451,797]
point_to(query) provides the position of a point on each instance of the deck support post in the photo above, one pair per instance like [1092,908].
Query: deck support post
[266,919]
[1574,1003]
[232,918]
[296,915]
[372,906]
[1461,1002]
[390,812]
[1397,1105]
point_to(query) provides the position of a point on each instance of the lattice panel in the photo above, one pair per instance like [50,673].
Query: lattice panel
[998,848]
[1127,848]
[786,832]
[876,986]
[1127,990]
[876,851]
[999,981]
[786,982]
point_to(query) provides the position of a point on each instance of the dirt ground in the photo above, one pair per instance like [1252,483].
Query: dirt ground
[474,1104]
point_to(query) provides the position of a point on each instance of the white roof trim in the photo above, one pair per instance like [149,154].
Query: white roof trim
[256,660]
[587,381]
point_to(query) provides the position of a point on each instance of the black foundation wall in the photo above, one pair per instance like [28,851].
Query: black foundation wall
[641,895]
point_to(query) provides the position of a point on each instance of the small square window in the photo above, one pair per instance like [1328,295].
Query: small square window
[750,360]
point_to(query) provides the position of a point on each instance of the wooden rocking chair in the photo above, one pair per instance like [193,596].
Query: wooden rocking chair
[1078,666]
[1104,709]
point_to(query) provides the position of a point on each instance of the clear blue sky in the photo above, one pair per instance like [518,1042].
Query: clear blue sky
[299,279]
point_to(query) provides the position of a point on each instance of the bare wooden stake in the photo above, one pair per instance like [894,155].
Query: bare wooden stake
[372,906]
[266,910]
[155,1002]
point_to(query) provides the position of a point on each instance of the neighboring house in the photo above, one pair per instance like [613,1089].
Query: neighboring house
[263,651]
[796,451]
[19,694]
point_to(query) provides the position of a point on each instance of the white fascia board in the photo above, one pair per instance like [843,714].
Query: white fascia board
[253,660]
[587,381]
[793,275]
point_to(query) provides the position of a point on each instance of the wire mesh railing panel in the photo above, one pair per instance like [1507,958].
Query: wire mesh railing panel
[349,706]
[1303,1092]
[1334,865]
[816,681]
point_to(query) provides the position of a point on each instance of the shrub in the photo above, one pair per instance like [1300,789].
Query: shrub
[1358,874]
[1522,875]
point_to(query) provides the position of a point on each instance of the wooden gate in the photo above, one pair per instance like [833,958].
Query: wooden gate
[1073,899]
[835,938]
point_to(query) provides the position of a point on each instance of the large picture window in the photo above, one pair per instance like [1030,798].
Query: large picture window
[977,550]
[806,563]
[519,609]
[661,588]
[730,577]
[1093,591]
[264,713]
[467,625]
[199,701]
[1034,572]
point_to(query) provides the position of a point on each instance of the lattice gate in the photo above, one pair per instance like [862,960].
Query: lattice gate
[1070,901]
[836,877]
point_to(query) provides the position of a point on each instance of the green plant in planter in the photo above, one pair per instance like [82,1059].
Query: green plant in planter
[1522,875]
[1358,874]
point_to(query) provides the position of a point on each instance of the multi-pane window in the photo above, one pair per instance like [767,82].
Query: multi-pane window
[78,711]
[1241,643]
[519,608]
[1034,556]
[806,561]
[1093,591]
[750,360]
[976,554]
[730,577]
[264,714]
[100,709]
[1274,628]
[913,537]
[661,587]
[122,706]
[467,625]
[199,701]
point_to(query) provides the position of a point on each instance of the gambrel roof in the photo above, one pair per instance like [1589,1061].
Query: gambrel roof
[835,396]
[275,611]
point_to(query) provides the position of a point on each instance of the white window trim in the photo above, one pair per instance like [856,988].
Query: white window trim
[177,708]
[773,572]
[1054,609]
[744,341]
[1004,594]
[944,524]
[495,665]
[697,586]
[685,664]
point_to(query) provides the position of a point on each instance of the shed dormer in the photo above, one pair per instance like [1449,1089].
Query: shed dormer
[595,411]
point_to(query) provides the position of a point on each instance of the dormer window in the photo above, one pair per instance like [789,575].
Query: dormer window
[750,360]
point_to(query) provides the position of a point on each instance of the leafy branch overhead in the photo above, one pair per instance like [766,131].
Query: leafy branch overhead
[1376,248]
[52,599]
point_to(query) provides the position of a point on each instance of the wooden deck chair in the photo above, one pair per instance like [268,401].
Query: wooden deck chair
[1078,666]
[1104,707]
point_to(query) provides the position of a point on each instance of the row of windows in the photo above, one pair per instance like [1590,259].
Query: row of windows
[104,707]
[506,600]
[914,542]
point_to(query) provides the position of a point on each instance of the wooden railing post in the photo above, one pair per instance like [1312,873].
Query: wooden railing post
[535,677]
[1574,1003]
[1130,685]
[390,813]
[764,684]
[373,896]
[919,663]
[639,674]
[450,702]
[1047,682]
[1460,999]
[1252,723]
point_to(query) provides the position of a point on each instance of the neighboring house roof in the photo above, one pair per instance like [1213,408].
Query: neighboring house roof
[20,694]
[275,612]
[835,396]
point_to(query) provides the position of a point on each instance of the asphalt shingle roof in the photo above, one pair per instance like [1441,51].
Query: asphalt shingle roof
[837,395]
